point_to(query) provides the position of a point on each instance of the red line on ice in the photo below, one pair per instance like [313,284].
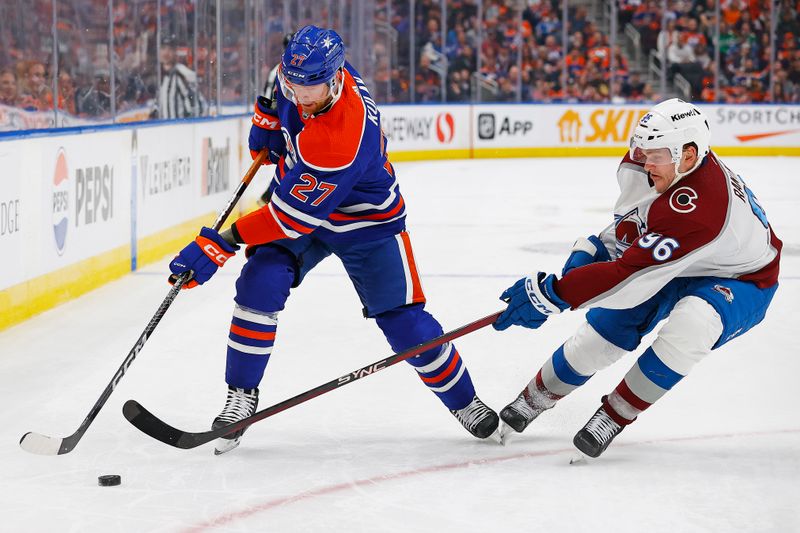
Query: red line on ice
[227,518]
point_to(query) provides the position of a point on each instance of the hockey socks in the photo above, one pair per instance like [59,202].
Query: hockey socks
[446,375]
[647,381]
[250,342]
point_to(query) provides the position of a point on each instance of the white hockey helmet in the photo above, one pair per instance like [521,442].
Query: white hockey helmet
[671,124]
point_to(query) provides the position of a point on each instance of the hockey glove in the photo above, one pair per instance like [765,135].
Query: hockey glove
[202,257]
[530,301]
[584,252]
[266,131]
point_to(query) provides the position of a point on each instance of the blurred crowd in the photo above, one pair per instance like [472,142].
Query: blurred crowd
[145,63]
[745,46]
[517,56]
[494,50]
[524,56]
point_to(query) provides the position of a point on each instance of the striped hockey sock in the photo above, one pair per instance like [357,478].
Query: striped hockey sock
[555,379]
[446,375]
[647,381]
[250,342]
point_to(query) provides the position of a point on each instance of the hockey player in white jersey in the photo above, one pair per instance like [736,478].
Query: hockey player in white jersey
[690,243]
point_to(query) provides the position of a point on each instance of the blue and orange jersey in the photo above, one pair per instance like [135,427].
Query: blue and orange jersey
[335,179]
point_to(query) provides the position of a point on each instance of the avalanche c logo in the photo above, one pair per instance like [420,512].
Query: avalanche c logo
[682,200]
[445,127]
[60,201]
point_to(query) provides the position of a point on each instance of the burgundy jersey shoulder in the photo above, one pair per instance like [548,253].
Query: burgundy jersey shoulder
[331,141]
[700,200]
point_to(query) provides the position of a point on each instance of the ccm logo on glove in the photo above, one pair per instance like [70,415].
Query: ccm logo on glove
[202,257]
[217,256]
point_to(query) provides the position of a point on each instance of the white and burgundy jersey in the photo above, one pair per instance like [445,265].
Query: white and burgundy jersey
[708,223]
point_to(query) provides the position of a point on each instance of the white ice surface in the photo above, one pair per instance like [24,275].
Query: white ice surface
[721,452]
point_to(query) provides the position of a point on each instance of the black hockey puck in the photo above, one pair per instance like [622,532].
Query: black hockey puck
[109,481]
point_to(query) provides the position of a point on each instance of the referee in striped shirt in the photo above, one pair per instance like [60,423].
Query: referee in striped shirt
[179,95]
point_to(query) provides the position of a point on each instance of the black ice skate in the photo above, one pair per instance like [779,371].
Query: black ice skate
[597,434]
[239,404]
[522,411]
[477,418]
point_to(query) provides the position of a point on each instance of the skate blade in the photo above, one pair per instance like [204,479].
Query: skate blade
[496,437]
[505,433]
[225,445]
[577,458]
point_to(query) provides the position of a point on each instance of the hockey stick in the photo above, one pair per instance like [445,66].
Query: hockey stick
[160,430]
[43,445]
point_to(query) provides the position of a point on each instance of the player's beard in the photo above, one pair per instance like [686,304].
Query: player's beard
[317,106]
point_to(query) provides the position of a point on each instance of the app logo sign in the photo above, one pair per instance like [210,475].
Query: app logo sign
[445,127]
[60,201]
[486,126]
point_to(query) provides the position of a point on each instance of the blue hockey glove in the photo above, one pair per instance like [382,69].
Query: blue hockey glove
[530,301]
[584,252]
[202,257]
[266,131]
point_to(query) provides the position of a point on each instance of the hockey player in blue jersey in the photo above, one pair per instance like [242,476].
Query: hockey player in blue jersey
[334,193]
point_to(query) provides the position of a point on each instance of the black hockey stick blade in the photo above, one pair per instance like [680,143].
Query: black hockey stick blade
[43,445]
[153,426]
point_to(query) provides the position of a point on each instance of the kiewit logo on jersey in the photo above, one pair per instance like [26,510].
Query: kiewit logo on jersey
[60,201]
[629,227]
[445,127]
[682,200]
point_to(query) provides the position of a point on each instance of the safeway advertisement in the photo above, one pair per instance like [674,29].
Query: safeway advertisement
[426,127]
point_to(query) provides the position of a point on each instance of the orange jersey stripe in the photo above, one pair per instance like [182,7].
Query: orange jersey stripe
[444,372]
[251,334]
[417,295]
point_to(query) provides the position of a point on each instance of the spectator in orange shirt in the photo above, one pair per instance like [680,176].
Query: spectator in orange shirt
[35,95]
[576,63]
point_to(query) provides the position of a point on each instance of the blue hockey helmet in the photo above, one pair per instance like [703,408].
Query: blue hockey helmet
[313,56]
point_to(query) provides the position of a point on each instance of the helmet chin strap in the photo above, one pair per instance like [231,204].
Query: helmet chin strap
[335,87]
[680,175]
